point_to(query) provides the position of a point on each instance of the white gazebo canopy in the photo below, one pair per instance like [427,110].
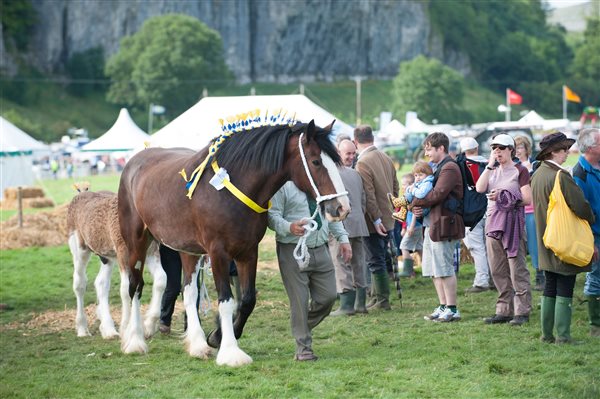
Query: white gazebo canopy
[198,125]
[124,135]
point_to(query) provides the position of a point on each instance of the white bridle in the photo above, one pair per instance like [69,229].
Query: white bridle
[301,251]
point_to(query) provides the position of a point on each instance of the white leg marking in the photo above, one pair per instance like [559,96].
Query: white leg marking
[336,179]
[80,260]
[102,284]
[125,303]
[195,339]
[229,353]
[158,288]
[134,334]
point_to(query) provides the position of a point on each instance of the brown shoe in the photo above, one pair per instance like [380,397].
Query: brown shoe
[475,289]
[305,357]
[164,329]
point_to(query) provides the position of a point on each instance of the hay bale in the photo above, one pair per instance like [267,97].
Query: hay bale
[38,203]
[11,193]
[39,230]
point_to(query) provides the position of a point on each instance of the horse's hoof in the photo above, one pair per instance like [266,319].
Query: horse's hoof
[214,338]
[135,346]
[232,357]
[110,334]
[83,333]
[201,350]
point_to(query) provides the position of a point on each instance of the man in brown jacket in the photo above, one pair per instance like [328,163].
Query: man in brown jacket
[379,178]
[444,226]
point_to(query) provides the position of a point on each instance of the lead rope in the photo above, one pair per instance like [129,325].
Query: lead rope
[301,251]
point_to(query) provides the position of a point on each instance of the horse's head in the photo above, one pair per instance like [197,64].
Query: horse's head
[322,161]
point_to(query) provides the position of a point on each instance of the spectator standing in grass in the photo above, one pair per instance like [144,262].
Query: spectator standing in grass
[508,191]
[444,226]
[523,153]
[311,290]
[351,276]
[379,178]
[560,276]
[475,238]
[587,176]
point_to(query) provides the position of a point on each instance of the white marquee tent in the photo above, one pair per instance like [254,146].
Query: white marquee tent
[198,125]
[17,150]
[124,135]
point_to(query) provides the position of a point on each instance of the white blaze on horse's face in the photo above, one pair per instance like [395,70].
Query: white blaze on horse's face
[344,203]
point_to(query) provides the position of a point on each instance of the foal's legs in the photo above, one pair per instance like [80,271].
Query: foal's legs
[102,284]
[158,287]
[81,257]
[195,340]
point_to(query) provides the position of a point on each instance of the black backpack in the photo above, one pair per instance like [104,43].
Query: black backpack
[473,205]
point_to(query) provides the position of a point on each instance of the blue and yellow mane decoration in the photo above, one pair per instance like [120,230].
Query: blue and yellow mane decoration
[230,126]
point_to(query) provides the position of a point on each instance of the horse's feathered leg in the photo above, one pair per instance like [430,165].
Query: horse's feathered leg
[102,285]
[195,339]
[133,341]
[229,352]
[158,288]
[81,257]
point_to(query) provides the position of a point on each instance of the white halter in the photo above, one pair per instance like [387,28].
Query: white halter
[301,251]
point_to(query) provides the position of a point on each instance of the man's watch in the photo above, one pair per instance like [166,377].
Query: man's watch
[488,167]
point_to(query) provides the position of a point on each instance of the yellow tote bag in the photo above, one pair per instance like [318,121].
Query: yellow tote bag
[567,235]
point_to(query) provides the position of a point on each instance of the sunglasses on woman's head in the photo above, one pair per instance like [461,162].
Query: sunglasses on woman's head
[500,147]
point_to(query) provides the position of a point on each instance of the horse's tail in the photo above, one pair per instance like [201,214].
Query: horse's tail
[81,186]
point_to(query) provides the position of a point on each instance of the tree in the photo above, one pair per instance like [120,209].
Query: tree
[586,64]
[87,71]
[430,88]
[168,61]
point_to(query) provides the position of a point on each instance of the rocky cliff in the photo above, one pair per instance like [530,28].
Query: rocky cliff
[264,40]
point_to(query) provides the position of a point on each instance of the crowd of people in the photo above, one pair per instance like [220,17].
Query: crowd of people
[351,260]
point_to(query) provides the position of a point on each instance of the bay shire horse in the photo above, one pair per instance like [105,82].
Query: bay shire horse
[153,206]
[93,228]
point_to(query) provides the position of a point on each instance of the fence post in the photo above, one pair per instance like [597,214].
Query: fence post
[20,206]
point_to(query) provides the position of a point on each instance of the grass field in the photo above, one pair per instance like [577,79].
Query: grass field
[383,354]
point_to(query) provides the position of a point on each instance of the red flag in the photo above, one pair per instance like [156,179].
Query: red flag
[513,97]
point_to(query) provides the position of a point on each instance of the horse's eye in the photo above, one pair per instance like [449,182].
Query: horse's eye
[316,162]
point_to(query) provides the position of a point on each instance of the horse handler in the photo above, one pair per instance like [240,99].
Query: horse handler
[311,290]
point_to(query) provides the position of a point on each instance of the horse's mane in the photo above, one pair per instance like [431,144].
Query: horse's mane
[263,147]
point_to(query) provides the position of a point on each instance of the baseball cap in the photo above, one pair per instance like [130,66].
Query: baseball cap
[503,139]
[468,143]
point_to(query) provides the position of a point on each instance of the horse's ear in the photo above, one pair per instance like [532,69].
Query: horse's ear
[310,130]
[330,126]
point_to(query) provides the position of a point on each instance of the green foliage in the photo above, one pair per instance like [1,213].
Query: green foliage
[168,61]
[18,18]
[586,64]
[20,121]
[86,70]
[507,41]
[21,88]
[430,87]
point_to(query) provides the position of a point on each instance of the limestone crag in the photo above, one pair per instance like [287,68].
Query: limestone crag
[264,40]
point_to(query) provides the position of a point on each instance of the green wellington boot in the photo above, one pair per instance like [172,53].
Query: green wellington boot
[381,282]
[361,301]
[407,268]
[562,320]
[594,312]
[346,308]
[547,319]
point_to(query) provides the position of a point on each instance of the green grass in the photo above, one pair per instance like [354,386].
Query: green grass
[383,354]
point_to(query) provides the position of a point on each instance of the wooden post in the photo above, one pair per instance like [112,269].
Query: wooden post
[20,206]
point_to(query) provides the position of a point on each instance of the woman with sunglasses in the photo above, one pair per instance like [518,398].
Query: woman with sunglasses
[508,191]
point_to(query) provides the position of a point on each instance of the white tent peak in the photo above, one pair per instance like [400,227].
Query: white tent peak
[13,139]
[198,125]
[124,135]
[533,118]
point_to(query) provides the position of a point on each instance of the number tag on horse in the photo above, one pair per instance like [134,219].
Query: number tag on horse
[217,179]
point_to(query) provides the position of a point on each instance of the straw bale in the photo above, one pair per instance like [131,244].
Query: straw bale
[40,202]
[26,192]
[39,230]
